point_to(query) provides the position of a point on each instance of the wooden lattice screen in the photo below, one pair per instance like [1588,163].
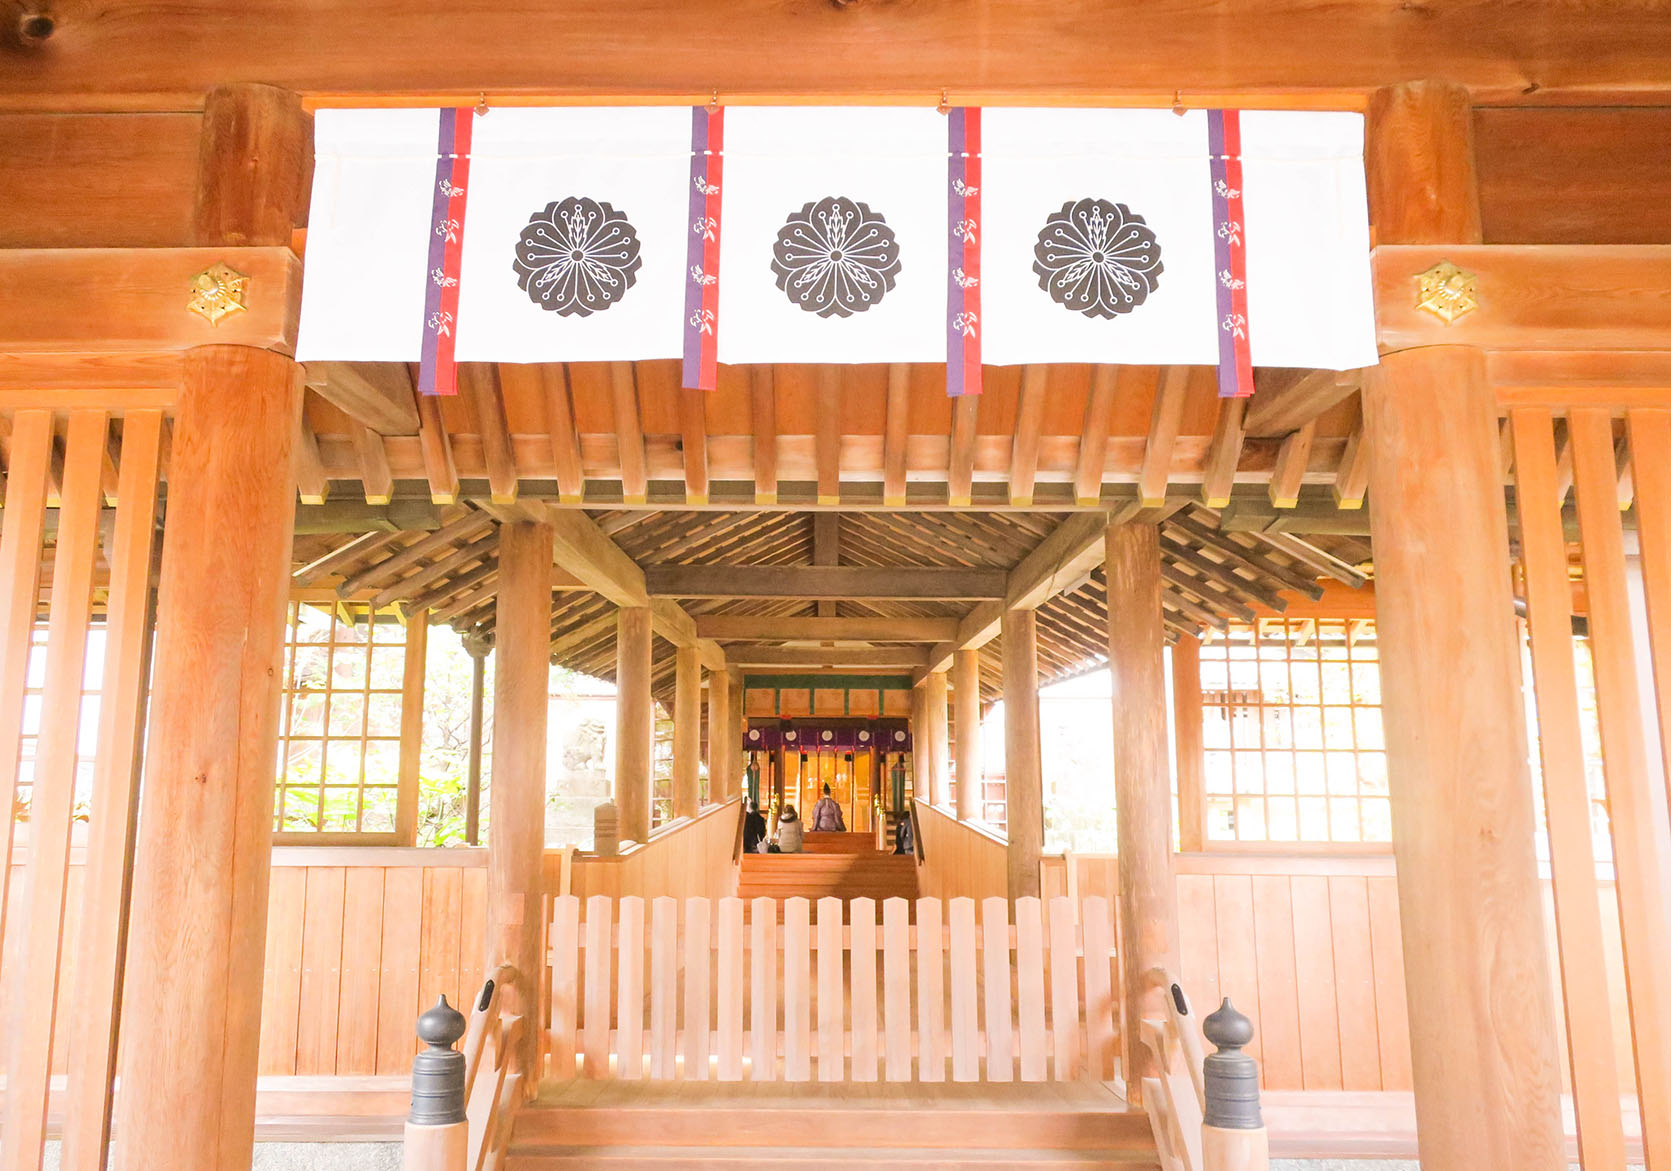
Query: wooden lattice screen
[76,544]
[1630,648]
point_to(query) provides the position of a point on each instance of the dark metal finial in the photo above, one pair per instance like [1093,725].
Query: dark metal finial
[1231,1077]
[438,1071]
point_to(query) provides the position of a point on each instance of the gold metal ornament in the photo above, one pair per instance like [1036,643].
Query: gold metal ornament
[1447,292]
[217,292]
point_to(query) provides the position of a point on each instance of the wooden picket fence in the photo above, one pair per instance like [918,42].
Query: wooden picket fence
[728,991]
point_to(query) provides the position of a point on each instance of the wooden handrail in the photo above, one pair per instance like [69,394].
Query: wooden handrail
[461,1120]
[1204,1110]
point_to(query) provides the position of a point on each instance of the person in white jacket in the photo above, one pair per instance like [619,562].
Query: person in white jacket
[791,834]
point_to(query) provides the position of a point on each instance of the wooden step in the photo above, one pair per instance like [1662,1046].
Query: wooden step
[1017,1117]
[808,1159]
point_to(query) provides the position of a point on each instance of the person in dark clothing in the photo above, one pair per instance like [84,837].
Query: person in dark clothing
[754,830]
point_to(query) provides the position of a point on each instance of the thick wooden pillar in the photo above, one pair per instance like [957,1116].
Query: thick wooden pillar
[1023,767]
[1482,1021]
[1142,781]
[966,693]
[739,731]
[937,785]
[197,925]
[1476,965]
[720,763]
[197,933]
[1188,736]
[687,732]
[516,829]
[634,722]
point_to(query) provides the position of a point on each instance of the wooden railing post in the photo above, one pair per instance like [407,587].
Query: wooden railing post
[1232,1133]
[437,1131]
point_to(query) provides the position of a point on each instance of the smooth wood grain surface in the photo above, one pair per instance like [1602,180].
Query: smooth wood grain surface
[114,300]
[633,719]
[1419,156]
[1638,819]
[687,732]
[1141,781]
[1023,770]
[1481,1014]
[201,867]
[1187,724]
[517,845]
[255,166]
[1592,1067]
[966,695]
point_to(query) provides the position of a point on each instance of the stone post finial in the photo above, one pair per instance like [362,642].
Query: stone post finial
[1231,1077]
[606,830]
[438,1071]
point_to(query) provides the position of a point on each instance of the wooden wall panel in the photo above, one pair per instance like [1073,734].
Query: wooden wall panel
[1578,176]
[98,180]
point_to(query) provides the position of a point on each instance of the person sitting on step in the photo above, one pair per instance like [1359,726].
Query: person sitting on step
[826,815]
[754,830]
[791,834]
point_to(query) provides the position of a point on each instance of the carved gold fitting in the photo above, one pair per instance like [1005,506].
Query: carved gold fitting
[1447,292]
[217,292]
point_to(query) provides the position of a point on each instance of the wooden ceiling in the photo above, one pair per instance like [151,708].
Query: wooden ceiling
[627,434]
[1211,577]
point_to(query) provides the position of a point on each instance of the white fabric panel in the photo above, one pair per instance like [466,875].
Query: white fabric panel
[1309,296]
[1152,162]
[368,235]
[777,161]
[637,160]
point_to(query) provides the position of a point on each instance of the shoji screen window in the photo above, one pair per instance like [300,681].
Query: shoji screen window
[339,730]
[1292,729]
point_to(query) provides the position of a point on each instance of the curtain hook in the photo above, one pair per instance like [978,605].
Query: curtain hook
[713,103]
[945,103]
[481,106]
[1178,103]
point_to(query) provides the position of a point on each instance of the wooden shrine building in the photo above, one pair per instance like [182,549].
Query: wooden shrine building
[1389,648]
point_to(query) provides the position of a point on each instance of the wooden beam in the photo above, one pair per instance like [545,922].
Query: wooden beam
[1351,478]
[1613,51]
[1469,893]
[693,426]
[763,400]
[687,730]
[1148,896]
[1557,379]
[1287,399]
[1164,421]
[414,657]
[439,468]
[896,432]
[960,472]
[438,570]
[465,527]
[1224,454]
[312,487]
[1093,436]
[378,394]
[867,658]
[826,549]
[1023,765]
[721,754]
[1531,297]
[521,702]
[1187,723]
[254,165]
[1292,459]
[121,300]
[1029,419]
[634,722]
[478,384]
[195,950]
[832,583]
[751,628]
[375,478]
[827,441]
[966,695]
[565,437]
[629,432]
[1419,157]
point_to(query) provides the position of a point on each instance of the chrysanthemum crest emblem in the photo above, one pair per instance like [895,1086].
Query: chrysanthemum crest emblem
[835,257]
[577,257]
[1097,258]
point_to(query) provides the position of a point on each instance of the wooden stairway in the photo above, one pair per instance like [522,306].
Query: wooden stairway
[843,866]
[624,1125]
